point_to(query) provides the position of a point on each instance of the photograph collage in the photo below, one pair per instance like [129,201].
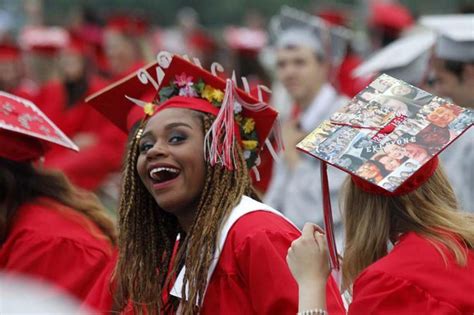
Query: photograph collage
[387,132]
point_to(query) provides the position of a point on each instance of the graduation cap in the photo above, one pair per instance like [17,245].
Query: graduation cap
[43,40]
[393,133]
[406,58]
[25,132]
[244,39]
[390,15]
[456,36]
[9,52]
[128,24]
[293,27]
[175,82]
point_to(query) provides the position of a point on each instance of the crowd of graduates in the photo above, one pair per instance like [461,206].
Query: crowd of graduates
[105,195]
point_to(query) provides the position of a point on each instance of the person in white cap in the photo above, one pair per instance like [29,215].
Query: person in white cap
[454,78]
[303,64]
[406,58]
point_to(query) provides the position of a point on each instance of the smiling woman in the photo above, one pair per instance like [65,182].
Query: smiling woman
[187,177]
[171,155]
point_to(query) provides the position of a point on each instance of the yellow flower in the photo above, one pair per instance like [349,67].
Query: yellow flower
[249,125]
[249,144]
[218,95]
[207,93]
[149,109]
[211,94]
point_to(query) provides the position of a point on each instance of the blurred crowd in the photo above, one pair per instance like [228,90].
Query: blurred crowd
[313,61]
[58,66]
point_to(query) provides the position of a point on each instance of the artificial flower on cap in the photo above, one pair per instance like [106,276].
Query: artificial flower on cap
[387,138]
[25,132]
[174,82]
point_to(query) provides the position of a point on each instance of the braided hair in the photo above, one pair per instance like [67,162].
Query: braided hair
[146,267]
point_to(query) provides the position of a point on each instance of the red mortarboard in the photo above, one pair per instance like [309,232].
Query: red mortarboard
[202,42]
[77,46]
[333,16]
[25,132]
[387,137]
[44,40]
[186,85]
[112,103]
[245,39]
[390,15]
[129,25]
[9,52]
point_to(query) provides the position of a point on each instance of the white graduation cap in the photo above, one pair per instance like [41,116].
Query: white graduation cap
[456,35]
[293,27]
[406,58]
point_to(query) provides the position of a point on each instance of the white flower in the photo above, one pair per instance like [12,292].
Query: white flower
[237,107]
[247,154]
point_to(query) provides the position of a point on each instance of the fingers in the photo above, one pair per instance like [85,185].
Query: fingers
[321,240]
[318,229]
[308,230]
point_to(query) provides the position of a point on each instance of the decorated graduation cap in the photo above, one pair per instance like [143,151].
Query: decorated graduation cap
[387,138]
[456,36]
[406,58]
[25,132]
[176,82]
[293,27]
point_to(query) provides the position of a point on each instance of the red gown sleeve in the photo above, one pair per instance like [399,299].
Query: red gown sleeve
[100,297]
[376,292]
[262,260]
[70,265]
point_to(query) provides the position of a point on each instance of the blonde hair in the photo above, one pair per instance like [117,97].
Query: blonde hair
[371,221]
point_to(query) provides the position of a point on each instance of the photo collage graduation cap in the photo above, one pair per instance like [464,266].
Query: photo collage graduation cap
[384,135]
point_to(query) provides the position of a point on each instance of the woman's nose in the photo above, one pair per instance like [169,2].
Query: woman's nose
[158,150]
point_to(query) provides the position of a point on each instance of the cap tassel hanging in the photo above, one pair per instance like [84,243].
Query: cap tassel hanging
[328,221]
[219,142]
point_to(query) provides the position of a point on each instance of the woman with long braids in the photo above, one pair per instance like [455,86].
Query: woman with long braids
[186,177]
[49,229]
[409,249]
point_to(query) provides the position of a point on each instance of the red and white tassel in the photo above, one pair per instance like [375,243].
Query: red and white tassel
[220,139]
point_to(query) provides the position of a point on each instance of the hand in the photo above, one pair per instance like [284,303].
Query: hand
[308,257]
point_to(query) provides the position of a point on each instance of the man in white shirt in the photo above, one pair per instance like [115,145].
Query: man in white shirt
[302,66]
[453,67]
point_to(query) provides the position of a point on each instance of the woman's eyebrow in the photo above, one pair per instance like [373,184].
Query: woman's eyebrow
[169,126]
[177,124]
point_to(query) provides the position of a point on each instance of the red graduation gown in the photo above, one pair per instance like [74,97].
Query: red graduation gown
[251,277]
[414,279]
[52,242]
[89,167]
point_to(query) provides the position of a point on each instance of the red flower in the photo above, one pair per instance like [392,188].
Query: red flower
[183,80]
